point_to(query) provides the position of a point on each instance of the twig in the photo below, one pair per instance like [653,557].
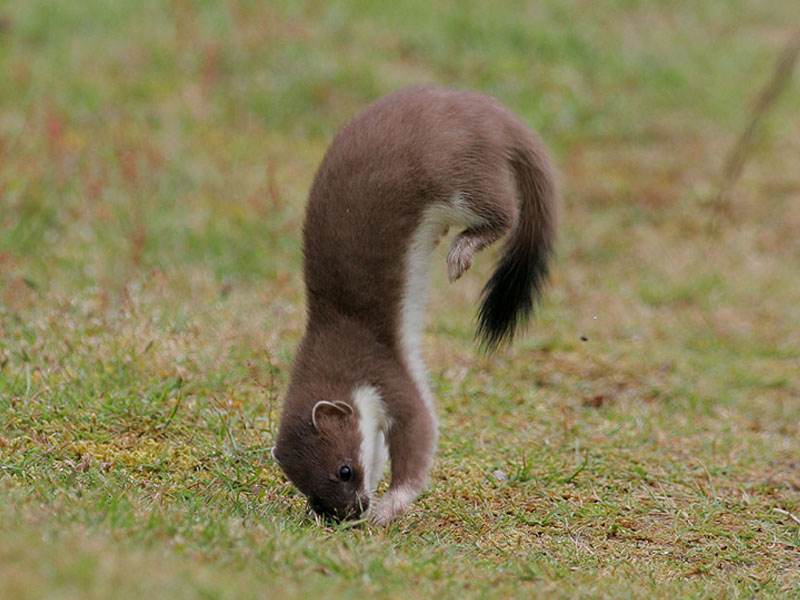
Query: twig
[743,148]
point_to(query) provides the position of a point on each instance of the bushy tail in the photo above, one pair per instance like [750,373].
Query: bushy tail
[510,295]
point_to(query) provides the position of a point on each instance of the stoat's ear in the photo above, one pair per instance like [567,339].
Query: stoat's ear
[323,409]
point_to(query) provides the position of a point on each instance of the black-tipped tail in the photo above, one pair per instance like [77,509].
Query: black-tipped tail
[509,297]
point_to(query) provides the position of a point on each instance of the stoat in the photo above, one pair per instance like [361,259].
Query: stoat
[393,180]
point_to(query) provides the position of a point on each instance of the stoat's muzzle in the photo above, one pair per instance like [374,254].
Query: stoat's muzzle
[348,512]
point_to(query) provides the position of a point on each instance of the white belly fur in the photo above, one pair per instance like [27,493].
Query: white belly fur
[437,217]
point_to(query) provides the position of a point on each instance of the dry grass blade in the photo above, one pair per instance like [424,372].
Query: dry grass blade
[743,149]
[788,514]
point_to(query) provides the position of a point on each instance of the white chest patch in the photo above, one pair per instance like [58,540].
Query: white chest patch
[372,424]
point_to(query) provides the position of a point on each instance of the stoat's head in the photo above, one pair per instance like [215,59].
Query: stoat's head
[319,450]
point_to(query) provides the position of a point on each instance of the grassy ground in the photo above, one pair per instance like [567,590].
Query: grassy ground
[154,161]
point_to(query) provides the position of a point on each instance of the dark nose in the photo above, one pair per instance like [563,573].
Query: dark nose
[349,513]
[357,509]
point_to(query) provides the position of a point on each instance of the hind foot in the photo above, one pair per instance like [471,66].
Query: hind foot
[464,247]
[459,257]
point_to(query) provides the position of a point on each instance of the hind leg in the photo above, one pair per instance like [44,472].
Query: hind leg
[490,210]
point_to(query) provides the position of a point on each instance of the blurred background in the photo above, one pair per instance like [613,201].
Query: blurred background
[186,132]
[175,141]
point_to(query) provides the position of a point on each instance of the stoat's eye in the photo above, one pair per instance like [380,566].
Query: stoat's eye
[345,473]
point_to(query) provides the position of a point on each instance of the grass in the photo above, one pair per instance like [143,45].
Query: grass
[154,162]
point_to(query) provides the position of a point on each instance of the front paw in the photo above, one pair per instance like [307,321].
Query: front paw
[394,503]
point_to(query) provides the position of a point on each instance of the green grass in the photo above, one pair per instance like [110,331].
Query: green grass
[154,162]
